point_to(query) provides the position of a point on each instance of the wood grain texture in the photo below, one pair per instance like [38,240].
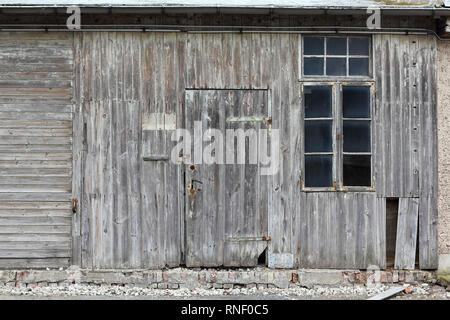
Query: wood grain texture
[405,249]
[225,201]
[142,204]
[35,149]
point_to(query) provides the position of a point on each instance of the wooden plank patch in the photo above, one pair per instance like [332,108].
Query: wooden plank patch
[405,249]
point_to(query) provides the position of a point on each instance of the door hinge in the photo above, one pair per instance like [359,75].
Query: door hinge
[74,205]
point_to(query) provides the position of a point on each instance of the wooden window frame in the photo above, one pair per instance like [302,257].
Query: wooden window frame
[326,77]
[337,136]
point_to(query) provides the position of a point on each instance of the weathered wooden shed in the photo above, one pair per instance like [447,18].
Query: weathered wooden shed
[87,116]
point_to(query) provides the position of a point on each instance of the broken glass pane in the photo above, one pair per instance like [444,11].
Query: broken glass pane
[318,171]
[358,46]
[336,66]
[313,66]
[317,101]
[358,66]
[336,46]
[313,45]
[357,170]
[318,136]
[356,101]
[356,136]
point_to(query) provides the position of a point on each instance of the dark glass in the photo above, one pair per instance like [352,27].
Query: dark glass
[336,66]
[318,136]
[356,101]
[318,171]
[357,170]
[358,66]
[356,136]
[336,46]
[313,46]
[358,46]
[313,66]
[317,101]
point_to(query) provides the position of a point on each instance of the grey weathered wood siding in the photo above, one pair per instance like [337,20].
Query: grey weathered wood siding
[406,129]
[133,211]
[150,71]
[341,230]
[228,202]
[35,149]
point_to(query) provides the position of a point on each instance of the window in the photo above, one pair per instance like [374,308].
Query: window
[336,56]
[318,124]
[337,135]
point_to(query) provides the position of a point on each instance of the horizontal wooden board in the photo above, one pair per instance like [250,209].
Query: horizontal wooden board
[35,245]
[34,253]
[35,229]
[21,148]
[34,263]
[35,123]
[32,172]
[36,74]
[27,237]
[35,164]
[36,205]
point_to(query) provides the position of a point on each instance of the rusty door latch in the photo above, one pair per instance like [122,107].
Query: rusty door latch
[191,188]
[74,205]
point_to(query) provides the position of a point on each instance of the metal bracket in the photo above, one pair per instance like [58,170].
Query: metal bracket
[156,158]
[74,205]
[237,239]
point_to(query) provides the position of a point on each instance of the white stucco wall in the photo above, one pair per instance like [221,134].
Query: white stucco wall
[443,59]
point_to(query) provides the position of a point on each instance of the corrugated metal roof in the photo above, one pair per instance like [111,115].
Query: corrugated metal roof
[294,4]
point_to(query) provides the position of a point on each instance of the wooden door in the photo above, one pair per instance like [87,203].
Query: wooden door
[226,201]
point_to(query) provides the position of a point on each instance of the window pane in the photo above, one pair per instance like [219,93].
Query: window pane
[317,101]
[358,46]
[356,101]
[318,136]
[357,171]
[358,66]
[336,66]
[318,171]
[336,46]
[313,66]
[356,136]
[313,45]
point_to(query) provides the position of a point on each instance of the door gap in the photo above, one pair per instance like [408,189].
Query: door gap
[262,259]
[391,230]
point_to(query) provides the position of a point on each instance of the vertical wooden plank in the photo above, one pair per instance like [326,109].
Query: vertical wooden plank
[428,255]
[428,236]
[295,160]
[405,249]
[133,191]
[249,179]
[275,227]
[194,199]
[227,60]
[232,188]
[210,187]
[106,187]
[86,218]
[77,153]
[303,230]
[378,115]
[180,114]
[172,70]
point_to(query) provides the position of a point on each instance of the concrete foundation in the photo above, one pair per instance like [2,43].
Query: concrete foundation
[444,264]
[215,278]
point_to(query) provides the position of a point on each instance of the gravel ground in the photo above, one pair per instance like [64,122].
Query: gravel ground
[82,291]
